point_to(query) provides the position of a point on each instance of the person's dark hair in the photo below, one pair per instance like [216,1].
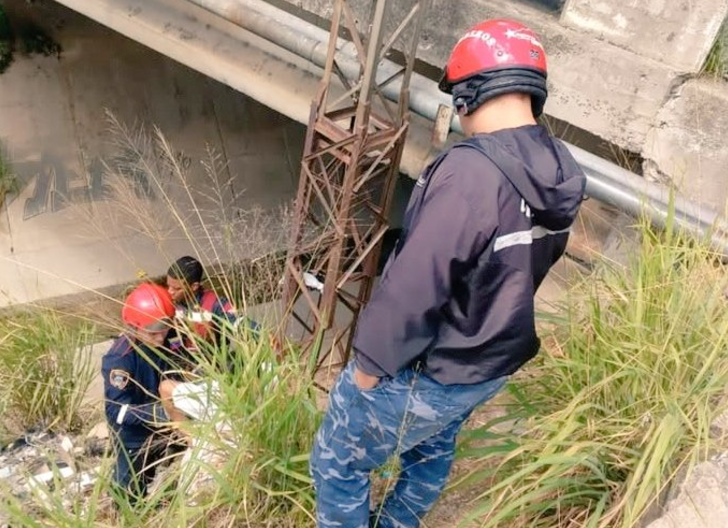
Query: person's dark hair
[187,269]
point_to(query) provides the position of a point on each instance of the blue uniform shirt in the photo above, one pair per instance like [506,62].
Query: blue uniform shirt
[131,372]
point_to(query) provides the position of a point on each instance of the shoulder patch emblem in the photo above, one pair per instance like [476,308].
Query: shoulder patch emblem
[119,378]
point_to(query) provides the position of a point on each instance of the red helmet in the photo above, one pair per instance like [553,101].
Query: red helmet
[493,58]
[148,307]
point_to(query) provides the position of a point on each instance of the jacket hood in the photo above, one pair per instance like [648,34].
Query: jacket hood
[550,181]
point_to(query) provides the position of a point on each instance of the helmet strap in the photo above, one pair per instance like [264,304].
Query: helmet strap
[470,94]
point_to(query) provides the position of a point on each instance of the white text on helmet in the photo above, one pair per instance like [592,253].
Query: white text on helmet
[479,34]
[510,33]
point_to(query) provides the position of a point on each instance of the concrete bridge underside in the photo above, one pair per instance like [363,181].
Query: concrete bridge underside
[627,72]
[598,84]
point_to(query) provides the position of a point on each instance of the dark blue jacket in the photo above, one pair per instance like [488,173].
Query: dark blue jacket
[204,317]
[485,222]
[208,312]
[132,372]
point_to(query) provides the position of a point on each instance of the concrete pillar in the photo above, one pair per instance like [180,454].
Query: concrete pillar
[688,146]
[678,33]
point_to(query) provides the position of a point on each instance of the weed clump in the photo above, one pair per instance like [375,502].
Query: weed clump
[622,400]
[34,40]
[45,372]
[8,179]
[716,64]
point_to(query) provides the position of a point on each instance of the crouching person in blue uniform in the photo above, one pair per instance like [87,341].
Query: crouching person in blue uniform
[132,371]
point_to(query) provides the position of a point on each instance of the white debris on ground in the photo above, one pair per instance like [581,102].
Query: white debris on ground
[33,466]
[39,463]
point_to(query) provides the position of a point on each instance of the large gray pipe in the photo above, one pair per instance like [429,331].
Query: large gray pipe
[606,181]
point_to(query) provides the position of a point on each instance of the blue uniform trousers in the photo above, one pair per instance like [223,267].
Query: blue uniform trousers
[136,467]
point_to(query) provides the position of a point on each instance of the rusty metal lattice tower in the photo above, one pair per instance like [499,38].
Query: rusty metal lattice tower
[350,164]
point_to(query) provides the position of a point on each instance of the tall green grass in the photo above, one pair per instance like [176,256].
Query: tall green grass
[248,463]
[45,372]
[261,434]
[8,179]
[619,403]
[716,64]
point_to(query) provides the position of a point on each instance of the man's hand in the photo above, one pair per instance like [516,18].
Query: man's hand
[363,380]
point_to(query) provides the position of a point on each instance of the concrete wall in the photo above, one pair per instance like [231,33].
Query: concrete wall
[678,33]
[621,70]
[53,127]
[62,234]
[613,89]
[688,143]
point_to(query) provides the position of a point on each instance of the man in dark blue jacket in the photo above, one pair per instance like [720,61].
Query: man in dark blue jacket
[453,315]
[132,371]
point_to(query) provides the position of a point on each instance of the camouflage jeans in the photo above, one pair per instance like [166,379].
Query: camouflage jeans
[411,416]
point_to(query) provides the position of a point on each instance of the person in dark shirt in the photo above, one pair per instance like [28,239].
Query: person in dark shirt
[202,319]
[198,309]
[132,370]
[453,314]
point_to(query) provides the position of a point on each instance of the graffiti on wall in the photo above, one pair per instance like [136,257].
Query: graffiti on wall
[55,186]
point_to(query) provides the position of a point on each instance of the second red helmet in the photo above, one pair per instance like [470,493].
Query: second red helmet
[148,307]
